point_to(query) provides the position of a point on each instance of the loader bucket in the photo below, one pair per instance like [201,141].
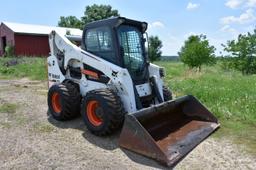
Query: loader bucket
[169,131]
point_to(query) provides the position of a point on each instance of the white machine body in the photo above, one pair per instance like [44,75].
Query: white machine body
[119,78]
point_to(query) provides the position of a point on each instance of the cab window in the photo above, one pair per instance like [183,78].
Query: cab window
[99,42]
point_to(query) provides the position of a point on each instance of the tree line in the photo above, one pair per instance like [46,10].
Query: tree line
[241,53]
[196,50]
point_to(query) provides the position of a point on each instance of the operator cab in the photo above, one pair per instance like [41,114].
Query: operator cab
[120,41]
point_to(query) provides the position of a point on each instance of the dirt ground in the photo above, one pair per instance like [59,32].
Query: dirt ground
[30,139]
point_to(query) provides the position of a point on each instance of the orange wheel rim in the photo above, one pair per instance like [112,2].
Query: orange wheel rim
[56,102]
[91,113]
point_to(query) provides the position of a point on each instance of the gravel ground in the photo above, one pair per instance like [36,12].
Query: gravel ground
[30,139]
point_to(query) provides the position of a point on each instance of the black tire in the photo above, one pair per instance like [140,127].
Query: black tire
[108,110]
[67,105]
[167,93]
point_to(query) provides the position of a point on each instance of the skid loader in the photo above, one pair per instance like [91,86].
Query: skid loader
[110,82]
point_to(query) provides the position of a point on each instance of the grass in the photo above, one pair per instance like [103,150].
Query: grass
[8,108]
[230,95]
[5,125]
[13,115]
[43,128]
[31,67]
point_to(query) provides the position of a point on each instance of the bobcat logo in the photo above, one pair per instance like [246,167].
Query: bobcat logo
[114,73]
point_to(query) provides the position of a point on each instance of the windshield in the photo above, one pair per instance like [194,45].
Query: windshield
[130,41]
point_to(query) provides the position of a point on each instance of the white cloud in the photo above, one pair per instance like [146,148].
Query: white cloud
[229,19]
[192,6]
[225,27]
[234,3]
[229,29]
[251,3]
[157,24]
[246,17]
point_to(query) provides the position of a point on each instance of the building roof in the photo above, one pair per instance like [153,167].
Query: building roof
[40,29]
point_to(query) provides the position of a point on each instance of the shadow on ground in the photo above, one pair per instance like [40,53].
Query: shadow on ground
[107,143]
[143,160]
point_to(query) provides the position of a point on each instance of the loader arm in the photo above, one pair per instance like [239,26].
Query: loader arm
[119,77]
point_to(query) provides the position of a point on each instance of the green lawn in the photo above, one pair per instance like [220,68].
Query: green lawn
[230,95]
[33,67]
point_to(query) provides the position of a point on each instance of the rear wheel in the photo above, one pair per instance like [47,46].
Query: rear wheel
[102,111]
[167,93]
[64,101]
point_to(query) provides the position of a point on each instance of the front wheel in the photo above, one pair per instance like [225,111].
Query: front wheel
[64,101]
[102,111]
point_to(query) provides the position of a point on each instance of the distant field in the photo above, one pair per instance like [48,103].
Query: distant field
[228,94]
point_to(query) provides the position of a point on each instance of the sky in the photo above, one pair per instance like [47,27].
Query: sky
[173,21]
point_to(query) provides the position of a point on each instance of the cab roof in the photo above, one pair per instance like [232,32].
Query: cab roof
[115,22]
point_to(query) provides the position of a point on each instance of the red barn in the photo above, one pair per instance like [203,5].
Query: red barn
[29,40]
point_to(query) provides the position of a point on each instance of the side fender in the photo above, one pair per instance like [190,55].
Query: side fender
[154,71]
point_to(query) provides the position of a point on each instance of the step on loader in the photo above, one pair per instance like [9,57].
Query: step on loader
[108,79]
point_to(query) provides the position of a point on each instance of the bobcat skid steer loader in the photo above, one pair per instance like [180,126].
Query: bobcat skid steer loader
[109,81]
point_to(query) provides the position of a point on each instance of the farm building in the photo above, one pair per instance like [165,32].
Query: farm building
[29,40]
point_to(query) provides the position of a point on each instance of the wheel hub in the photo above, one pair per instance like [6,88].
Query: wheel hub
[56,102]
[99,112]
[94,113]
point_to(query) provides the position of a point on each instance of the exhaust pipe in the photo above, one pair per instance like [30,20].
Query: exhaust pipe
[169,131]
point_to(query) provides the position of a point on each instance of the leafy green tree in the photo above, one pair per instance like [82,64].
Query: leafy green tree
[98,12]
[70,21]
[197,51]
[243,51]
[92,13]
[155,45]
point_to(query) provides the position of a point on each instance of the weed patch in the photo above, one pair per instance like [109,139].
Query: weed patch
[8,108]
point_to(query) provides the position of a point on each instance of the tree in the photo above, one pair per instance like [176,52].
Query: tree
[243,51]
[98,12]
[92,13]
[197,52]
[70,21]
[155,45]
